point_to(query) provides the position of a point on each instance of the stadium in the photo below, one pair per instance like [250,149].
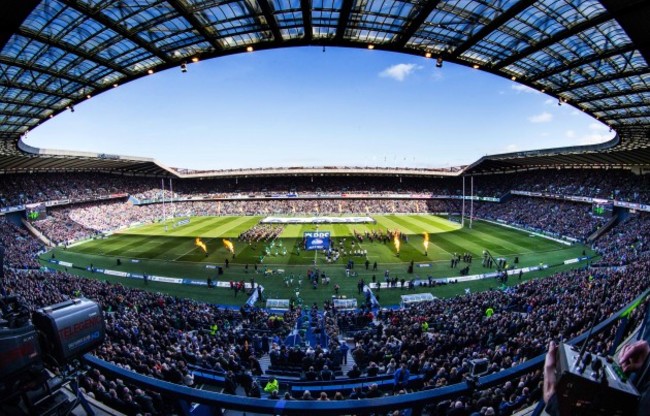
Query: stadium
[131,287]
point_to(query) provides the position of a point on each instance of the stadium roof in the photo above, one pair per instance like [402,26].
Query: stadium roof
[590,54]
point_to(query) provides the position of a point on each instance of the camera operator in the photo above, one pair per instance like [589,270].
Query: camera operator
[634,358]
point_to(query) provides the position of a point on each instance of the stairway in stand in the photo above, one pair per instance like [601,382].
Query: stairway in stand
[265,362]
[350,361]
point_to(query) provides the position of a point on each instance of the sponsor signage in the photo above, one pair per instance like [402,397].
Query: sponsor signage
[316,240]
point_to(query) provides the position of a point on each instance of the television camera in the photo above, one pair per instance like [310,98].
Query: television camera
[39,351]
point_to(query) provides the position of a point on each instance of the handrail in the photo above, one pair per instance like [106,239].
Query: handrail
[415,400]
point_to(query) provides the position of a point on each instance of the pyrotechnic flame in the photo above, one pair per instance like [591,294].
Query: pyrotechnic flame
[426,241]
[229,246]
[201,244]
[396,241]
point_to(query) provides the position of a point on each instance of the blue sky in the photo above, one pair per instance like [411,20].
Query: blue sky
[306,107]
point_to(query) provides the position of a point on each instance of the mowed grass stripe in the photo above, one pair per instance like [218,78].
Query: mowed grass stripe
[482,236]
[361,228]
[131,247]
[419,226]
[143,247]
[235,231]
[434,250]
[435,238]
[198,227]
[201,228]
[437,222]
[495,240]
[209,229]
[94,246]
[416,239]
[508,234]
[171,248]
[292,231]
[466,240]
[112,244]
[442,241]
[501,245]
[462,243]
[159,227]
[390,224]
[336,230]
[224,227]
[124,244]
[139,229]
[414,249]
[522,238]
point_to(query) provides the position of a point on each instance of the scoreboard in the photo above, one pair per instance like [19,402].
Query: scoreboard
[34,212]
[602,208]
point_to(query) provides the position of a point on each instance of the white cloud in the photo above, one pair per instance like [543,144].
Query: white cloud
[511,148]
[570,134]
[550,101]
[544,117]
[523,88]
[399,72]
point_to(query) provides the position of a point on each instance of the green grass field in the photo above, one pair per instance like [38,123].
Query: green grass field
[173,253]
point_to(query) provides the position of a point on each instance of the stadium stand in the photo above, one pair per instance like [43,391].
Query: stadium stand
[591,55]
[161,336]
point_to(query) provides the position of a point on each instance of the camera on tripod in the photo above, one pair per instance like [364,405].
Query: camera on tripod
[50,337]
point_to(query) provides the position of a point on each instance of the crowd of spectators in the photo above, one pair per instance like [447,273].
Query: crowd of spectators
[154,334]
[548,216]
[163,336]
[21,248]
[69,223]
[59,228]
[619,184]
[525,318]
[109,216]
[624,243]
[18,189]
